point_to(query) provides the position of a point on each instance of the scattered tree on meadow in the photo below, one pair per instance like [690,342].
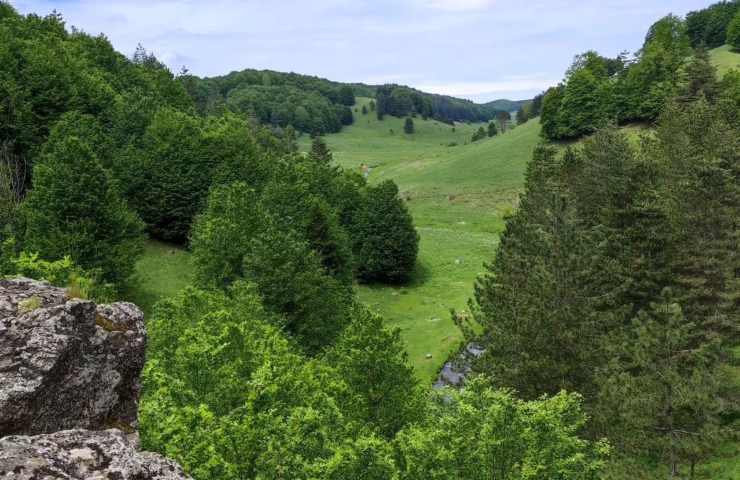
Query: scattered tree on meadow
[492,130]
[388,243]
[479,134]
[503,119]
[364,110]
[408,126]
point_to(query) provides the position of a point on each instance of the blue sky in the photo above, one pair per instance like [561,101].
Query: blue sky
[477,49]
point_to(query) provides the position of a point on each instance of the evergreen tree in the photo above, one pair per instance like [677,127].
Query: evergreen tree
[320,151]
[492,130]
[74,210]
[364,110]
[167,178]
[408,126]
[699,78]
[479,134]
[521,116]
[662,388]
[388,243]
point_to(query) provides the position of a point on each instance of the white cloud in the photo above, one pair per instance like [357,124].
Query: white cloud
[458,5]
[509,87]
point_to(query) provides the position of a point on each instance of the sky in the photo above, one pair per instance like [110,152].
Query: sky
[477,49]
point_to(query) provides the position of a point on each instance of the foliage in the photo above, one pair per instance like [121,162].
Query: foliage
[709,27]
[388,243]
[227,397]
[308,104]
[733,32]
[480,134]
[598,91]
[402,101]
[480,433]
[492,130]
[74,209]
[373,362]
[616,276]
[61,273]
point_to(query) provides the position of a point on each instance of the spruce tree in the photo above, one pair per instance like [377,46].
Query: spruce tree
[388,243]
[75,210]
[320,151]
[408,126]
[492,130]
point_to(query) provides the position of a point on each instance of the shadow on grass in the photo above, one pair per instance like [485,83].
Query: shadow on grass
[420,276]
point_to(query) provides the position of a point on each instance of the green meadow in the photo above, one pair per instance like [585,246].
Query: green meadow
[458,193]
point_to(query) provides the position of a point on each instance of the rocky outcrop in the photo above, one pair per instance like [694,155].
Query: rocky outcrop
[65,363]
[69,387]
[81,454]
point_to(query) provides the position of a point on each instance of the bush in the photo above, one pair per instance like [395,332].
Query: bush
[60,273]
[388,242]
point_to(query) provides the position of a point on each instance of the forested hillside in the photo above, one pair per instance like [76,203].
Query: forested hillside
[318,106]
[598,91]
[617,276]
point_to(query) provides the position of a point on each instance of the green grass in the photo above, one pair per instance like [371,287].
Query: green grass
[724,58]
[458,196]
[161,272]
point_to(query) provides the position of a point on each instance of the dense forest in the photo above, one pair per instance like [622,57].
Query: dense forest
[608,316]
[618,275]
[401,101]
[598,91]
[317,106]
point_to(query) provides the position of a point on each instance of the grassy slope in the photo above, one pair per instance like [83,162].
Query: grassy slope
[162,272]
[725,59]
[458,197]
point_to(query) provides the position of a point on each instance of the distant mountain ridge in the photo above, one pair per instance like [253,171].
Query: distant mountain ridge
[317,105]
[507,105]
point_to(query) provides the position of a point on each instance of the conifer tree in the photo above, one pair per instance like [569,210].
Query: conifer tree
[388,242]
[492,130]
[74,210]
[408,126]
[320,151]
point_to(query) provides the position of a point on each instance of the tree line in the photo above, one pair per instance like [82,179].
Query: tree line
[598,91]
[307,104]
[400,101]
[617,277]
